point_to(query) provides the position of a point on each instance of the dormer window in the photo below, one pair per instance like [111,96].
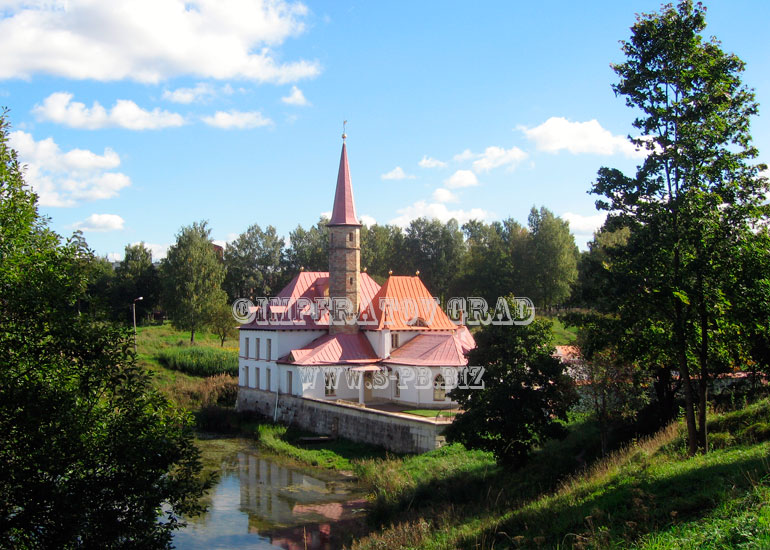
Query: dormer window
[393,340]
[418,322]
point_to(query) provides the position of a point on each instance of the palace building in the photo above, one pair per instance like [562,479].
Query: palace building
[339,338]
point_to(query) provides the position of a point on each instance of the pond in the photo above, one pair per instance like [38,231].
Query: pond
[260,503]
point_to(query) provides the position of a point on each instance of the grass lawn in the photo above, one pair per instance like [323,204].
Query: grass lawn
[562,336]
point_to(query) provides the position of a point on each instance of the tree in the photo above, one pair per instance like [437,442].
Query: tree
[592,288]
[192,276]
[435,250]
[525,392]
[382,250]
[222,322]
[693,205]
[552,257]
[253,263]
[309,249]
[136,276]
[91,453]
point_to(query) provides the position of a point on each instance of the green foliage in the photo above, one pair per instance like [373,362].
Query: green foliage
[382,249]
[253,263]
[222,323]
[309,250]
[435,250]
[553,258]
[525,392]
[692,208]
[90,451]
[200,361]
[192,278]
[136,276]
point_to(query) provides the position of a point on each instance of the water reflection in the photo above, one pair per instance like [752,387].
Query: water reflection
[259,503]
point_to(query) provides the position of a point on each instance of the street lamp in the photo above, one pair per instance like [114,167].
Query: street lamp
[133,309]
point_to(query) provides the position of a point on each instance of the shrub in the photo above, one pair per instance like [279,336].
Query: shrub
[221,390]
[200,361]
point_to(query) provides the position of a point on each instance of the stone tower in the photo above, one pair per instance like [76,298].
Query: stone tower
[344,247]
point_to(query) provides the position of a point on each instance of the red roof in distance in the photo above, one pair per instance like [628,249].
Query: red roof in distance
[344,210]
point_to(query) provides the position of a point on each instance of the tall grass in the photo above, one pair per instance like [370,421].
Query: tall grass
[648,495]
[200,361]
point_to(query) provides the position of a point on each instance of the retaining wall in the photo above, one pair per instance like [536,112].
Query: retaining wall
[396,432]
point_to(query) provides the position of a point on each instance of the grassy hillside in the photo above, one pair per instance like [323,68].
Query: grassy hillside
[647,496]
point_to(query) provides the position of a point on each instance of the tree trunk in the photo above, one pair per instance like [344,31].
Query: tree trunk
[684,373]
[192,336]
[704,375]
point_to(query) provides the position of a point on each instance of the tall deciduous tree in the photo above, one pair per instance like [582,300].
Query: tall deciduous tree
[136,276]
[308,249]
[552,258]
[192,277]
[382,249]
[694,203]
[91,454]
[435,250]
[253,263]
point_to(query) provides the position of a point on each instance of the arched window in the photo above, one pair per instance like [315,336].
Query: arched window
[439,388]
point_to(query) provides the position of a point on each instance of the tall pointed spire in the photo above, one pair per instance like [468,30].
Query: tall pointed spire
[344,210]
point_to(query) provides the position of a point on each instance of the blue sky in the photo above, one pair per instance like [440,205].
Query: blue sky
[136,118]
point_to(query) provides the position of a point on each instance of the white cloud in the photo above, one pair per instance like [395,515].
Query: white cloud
[465,155]
[397,174]
[159,251]
[583,227]
[444,195]
[494,157]
[430,162]
[237,119]
[584,224]
[100,223]
[558,133]
[152,40]
[62,179]
[200,92]
[461,178]
[423,209]
[59,107]
[327,214]
[296,97]
[367,220]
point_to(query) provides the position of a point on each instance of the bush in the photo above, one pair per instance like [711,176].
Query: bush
[200,361]
[220,390]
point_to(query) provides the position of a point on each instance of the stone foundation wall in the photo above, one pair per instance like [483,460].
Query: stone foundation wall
[393,431]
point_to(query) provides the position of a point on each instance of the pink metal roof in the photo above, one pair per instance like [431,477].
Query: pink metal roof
[333,349]
[344,210]
[403,303]
[439,350]
[467,342]
[309,285]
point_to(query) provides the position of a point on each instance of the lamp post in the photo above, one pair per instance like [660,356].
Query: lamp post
[133,309]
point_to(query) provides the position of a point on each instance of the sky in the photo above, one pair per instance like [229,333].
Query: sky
[134,119]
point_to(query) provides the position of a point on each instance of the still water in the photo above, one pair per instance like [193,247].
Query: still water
[259,503]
